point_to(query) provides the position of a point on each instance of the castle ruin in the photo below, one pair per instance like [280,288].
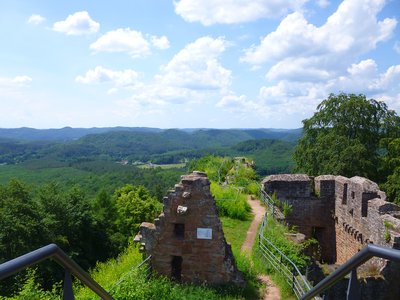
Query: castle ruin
[186,241]
[343,214]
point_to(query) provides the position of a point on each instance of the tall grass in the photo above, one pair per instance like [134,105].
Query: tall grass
[231,201]
[275,232]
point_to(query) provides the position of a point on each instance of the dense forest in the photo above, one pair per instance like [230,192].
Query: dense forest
[272,149]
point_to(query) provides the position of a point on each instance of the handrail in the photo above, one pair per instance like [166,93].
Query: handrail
[52,251]
[299,287]
[351,265]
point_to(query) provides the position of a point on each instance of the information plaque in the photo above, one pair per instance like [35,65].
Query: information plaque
[204,233]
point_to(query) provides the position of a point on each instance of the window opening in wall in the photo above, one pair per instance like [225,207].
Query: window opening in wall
[364,208]
[353,195]
[179,230]
[176,268]
[344,199]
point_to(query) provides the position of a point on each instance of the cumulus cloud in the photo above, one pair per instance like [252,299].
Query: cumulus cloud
[294,97]
[36,19]
[118,79]
[210,12]
[365,77]
[130,41]
[352,30]
[77,24]
[197,67]
[306,62]
[193,75]
[160,42]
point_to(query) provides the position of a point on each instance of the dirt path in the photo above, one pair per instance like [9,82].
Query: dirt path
[272,292]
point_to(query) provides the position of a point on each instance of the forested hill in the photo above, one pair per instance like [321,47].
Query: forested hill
[68,133]
[270,148]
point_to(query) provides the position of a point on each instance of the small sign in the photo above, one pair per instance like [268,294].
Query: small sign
[204,233]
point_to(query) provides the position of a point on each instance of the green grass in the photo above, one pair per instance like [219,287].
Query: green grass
[235,232]
[231,201]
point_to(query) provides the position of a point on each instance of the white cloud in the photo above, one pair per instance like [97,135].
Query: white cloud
[36,19]
[307,62]
[193,75]
[298,69]
[197,67]
[119,79]
[209,12]
[364,77]
[77,24]
[352,30]
[129,41]
[22,80]
[160,42]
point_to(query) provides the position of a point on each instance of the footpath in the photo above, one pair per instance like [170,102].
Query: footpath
[272,292]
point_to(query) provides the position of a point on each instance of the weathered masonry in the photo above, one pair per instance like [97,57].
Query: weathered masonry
[343,214]
[186,242]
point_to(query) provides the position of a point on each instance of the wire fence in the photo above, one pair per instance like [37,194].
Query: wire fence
[144,268]
[276,258]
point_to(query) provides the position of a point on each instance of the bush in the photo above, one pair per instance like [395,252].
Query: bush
[253,188]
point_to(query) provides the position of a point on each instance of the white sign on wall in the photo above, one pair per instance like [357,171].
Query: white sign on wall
[204,233]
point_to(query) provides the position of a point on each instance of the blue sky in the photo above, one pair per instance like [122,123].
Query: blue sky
[192,63]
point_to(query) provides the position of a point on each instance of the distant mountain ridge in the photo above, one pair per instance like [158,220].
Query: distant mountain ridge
[69,133]
[63,134]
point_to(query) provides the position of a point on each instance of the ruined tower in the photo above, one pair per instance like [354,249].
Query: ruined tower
[186,242]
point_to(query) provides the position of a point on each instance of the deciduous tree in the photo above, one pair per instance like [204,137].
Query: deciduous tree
[344,137]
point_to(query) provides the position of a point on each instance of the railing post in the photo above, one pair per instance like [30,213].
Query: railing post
[353,290]
[68,293]
[293,279]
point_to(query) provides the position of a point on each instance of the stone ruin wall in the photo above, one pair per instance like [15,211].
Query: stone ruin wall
[177,247]
[343,214]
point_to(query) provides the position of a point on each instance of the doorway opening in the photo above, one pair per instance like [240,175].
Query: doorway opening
[176,267]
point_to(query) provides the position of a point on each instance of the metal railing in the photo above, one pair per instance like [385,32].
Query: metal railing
[269,202]
[282,264]
[54,252]
[353,290]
